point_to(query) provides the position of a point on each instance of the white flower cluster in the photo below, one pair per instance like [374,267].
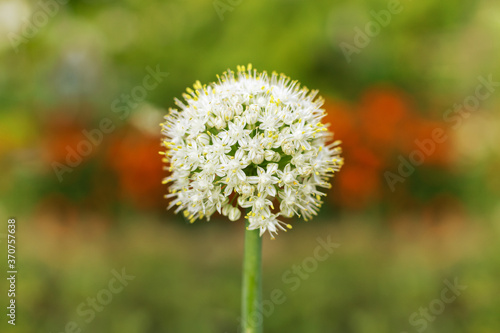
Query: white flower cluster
[250,141]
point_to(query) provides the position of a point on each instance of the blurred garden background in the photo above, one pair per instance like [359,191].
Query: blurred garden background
[80,170]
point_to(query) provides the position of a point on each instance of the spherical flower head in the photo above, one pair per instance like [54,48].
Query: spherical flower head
[249,142]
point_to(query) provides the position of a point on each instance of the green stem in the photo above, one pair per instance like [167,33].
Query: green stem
[251,316]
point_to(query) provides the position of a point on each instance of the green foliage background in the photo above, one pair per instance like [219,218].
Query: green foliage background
[392,260]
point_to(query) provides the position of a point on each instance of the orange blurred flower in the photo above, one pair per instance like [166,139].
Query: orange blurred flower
[133,155]
[383,126]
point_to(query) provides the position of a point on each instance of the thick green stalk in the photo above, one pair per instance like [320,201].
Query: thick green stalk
[251,315]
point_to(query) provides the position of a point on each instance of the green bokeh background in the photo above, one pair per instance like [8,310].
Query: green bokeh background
[393,257]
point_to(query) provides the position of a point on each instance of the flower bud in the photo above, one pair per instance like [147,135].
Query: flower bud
[288,179]
[252,114]
[238,109]
[246,190]
[227,114]
[219,123]
[287,147]
[225,209]
[269,155]
[258,158]
[203,139]
[287,212]
[234,214]
[304,171]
